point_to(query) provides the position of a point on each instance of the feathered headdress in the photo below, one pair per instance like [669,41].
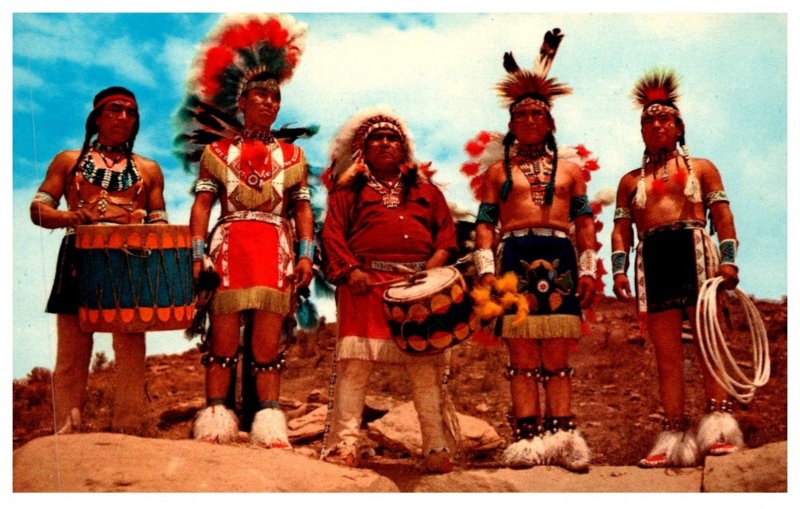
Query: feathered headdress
[521,84]
[656,93]
[347,149]
[242,51]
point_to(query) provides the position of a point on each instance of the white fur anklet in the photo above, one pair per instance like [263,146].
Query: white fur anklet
[567,449]
[719,427]
[269,429]
[679,449]
[524,453]
[216,423]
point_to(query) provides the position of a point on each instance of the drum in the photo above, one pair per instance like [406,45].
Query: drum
[134,278]
[430,312]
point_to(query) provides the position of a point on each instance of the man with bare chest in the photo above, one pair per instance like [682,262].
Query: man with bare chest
[667,199]
[103,182]
[536,198]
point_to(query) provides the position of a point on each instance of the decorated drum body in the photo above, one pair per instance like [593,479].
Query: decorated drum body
[430,312]
[134,278]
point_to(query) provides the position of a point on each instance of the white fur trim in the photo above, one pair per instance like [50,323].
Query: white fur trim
[680,448]
[567,449]
[269,429]
[641,194]
[718,427]
[524,453]
[216,424]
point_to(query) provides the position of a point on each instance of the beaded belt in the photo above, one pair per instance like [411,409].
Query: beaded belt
[691,224]
[541,232]
[396,266]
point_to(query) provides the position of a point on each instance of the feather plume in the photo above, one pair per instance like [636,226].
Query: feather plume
[657,85]
[547,53]
[525,83]
[509,62]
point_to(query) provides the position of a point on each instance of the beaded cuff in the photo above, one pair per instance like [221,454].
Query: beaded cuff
[206,185]
[157,215]
[619,262]
[45,198]
[716,197]
[587,263]
[727,251]
[484,261]
[488,213]
[306,249]
[301,194]
[578,206]
[622,213]
[198,248]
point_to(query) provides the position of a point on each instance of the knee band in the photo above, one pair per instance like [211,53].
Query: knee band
[565,372]
[224,362]
[278,364]
[533,373]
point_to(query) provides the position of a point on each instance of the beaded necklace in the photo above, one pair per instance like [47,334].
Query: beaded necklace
[254,134]
[107,178]
[389,194]
[538,169]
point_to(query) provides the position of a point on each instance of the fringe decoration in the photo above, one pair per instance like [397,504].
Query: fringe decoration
[679,447]
[269,429]
[381,350]
[524,453]
[567,449]
[259,297]
[718,427]
[544,326]
[449,416]
[216,424]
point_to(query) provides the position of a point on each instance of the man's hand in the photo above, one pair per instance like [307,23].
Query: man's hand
[358,281]
[303,272]
[622,288]
[78,217]
[487,279]
[730,276]
[586,290]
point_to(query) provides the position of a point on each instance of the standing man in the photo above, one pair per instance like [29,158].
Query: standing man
[384,215]
[260,183]
[536,198]
[103,182]
[667,199]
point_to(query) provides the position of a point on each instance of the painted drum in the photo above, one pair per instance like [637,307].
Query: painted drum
[430,311]
[134,278]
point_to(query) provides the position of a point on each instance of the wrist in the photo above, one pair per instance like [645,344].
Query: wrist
[484,261]
[587,264]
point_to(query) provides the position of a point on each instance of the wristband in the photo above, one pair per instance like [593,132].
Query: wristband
[484,261]
[198,248]
[587,263]
[619,262]
[727,251]
[306,249]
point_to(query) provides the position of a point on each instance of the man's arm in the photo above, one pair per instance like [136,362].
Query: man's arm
[716,201]
[585,240]
[44,207]
[304,222]
[621,239]
[156,207]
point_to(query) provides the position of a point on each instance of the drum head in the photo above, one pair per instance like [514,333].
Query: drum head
[424,283]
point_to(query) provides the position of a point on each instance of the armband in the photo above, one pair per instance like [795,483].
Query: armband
[198,248]
[157,215]
[45,198]
[206,185]
[484,261]
[716,197]
[579,206]
[488,213]
[587,264]
[301,194]
[622,213]
[727,251]
[306,249]
[619,262]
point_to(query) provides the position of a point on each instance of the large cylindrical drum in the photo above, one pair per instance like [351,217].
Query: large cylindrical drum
[134,278]
[430,312]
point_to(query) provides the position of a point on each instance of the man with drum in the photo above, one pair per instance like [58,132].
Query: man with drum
[103,182]
[536,198]
[385,219]
[667,199]
[261,185]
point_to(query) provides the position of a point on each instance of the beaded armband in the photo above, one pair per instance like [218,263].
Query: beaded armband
[716,197]
[578,206]
[198,248]
[727,251]
[488,213]
[306,249]
[46,198]
[587,263]
[622,213]
[301,194]
[157,215]
[484,261]
[206,185]
[619,262]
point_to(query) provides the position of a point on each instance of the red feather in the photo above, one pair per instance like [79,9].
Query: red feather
[483,137]
[586,175]
[596,206]
[598,226]
[469,169]
[474,148]
[591,165]
[476,184]
[216,60]
[582,151]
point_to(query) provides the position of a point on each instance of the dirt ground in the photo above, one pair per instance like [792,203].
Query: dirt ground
[615,392]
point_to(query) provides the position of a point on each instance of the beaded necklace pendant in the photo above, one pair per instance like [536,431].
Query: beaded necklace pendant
[389,195]
[538,171]
[109,179]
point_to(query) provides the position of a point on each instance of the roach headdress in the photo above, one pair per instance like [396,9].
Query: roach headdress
[522,86]
[241,52]
[657,93]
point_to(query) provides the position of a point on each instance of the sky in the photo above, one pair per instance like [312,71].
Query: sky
[437,70]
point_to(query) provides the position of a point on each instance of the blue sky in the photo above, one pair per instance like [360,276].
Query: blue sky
[435,69]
